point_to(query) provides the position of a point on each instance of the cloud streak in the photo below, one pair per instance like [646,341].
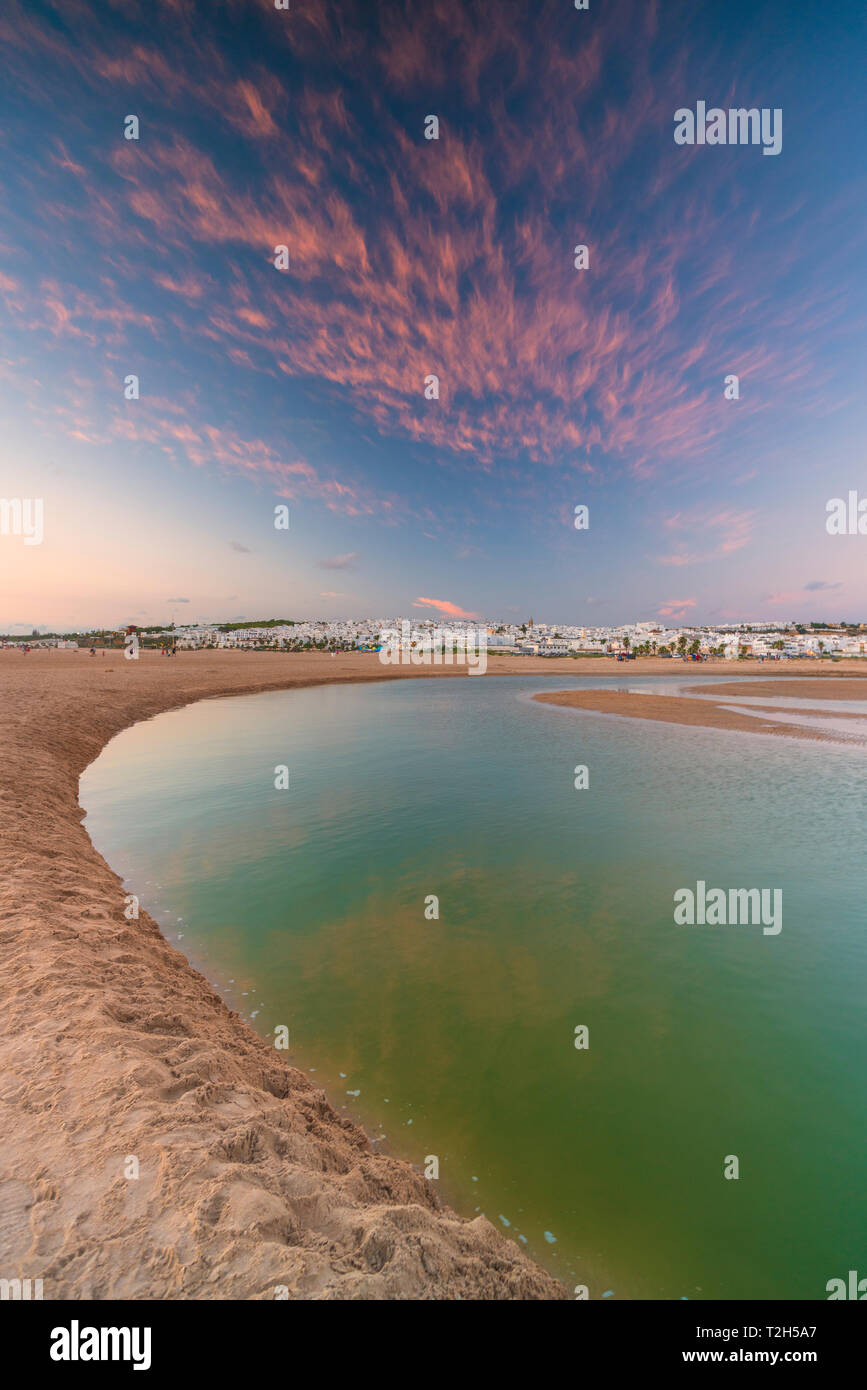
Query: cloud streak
[441,605]
[410,258]
[339,562]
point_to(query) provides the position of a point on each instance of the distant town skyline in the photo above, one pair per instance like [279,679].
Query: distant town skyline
[479,621]
[258,273]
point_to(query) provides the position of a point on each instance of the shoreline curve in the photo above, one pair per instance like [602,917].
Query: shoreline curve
[118,1056]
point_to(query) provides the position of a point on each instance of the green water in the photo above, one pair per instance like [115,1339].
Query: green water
[306,907]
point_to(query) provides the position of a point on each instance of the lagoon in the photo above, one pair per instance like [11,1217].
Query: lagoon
[455,1036]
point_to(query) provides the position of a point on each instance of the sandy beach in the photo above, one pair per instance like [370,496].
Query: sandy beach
[704,713]
[823,688]
[113,1046]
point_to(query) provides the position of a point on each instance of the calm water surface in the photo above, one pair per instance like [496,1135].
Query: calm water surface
[455,1037]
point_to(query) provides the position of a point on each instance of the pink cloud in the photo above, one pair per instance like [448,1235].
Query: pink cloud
[534,360]
[442,605]
[339,562]
[724,532]
[681,558]
[676,607]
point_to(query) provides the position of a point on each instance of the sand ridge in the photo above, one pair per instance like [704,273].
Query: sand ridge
[112,1045]
[824,688]
[703,713]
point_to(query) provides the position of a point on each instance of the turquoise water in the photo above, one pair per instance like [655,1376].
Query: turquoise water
[455,1037]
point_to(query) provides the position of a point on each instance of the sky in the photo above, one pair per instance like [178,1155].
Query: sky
[409,258]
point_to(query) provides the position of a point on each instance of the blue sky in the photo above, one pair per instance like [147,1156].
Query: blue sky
[410,257]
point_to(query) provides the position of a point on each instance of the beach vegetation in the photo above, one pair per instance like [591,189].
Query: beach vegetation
[257,622]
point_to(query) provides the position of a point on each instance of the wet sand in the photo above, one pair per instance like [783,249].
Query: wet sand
[681,709]
[823,688]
